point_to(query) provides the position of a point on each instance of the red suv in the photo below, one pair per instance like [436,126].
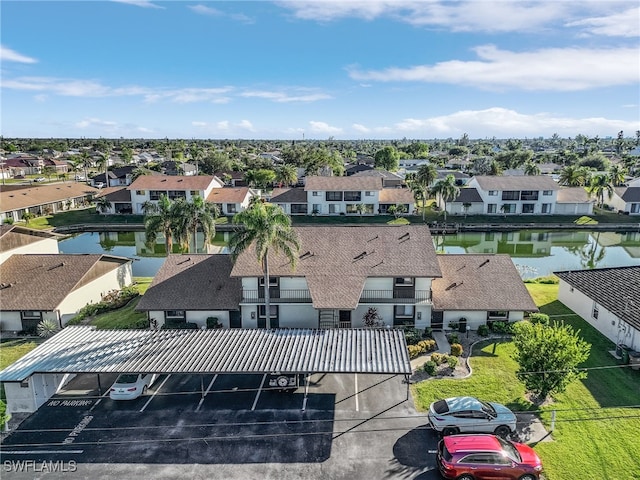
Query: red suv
[484,457]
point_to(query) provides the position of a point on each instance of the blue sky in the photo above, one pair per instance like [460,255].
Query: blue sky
[319,69]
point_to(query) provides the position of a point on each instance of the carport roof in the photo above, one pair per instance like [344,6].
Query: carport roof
[84,349]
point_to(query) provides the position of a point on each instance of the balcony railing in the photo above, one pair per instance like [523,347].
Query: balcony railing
[368,296]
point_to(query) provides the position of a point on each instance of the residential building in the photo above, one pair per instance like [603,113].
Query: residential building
[149,188]
[606,298]
[231,200]
[15,239]
[516,195]
[340,274]
[64,284]
[41,200]
[389,179]
[626,200]
[574,201]
[190,288]
[292,200]
[478,289]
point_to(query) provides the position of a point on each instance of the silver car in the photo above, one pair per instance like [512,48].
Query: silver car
[470,415]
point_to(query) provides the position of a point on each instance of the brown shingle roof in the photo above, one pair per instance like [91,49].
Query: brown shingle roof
[352,183]
[617,289]
[116,194]
[228,195]
[42,281]
[43,194]
[193,282]
[171,182]
[480,282]
[516,182]
[396,195]
[336,260]
[573,195]
[14,236]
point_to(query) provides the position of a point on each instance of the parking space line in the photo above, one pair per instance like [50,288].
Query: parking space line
[207,391]
[255,402]
[99,400]
[31,452]
[306,392]
[356,395]
[155,393]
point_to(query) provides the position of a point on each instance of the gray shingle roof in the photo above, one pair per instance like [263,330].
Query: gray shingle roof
[516,182]
[336,260]
[87,350]
[289,195]
[193,282]
[480,282]
[351,183]
[14,236]
[43,281]
[468,195]
[617,289]
[629,194]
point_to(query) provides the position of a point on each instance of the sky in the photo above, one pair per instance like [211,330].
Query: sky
[317,69]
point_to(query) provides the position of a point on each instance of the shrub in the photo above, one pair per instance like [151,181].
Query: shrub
[542,318]
[412,336]
[453,338]
[454,325]
[456,349]
[427,345]
[483,330]
[452,361]
[48,328]
[499,327]
[213,322]
[414,351]
[438,358]
[428,333]
[430,367]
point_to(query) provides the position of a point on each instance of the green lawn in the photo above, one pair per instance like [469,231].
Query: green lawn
[591,439]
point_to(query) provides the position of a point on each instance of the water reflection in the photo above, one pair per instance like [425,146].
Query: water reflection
[535,253]
[538,253]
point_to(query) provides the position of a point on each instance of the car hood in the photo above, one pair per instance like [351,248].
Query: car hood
[503,411]
[528,454]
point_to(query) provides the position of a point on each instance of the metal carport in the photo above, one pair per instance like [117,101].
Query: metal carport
[85,349]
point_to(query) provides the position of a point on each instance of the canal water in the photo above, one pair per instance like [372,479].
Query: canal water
[535,253]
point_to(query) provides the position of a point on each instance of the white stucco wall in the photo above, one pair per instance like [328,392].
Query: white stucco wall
[93,292]
[199,317]
[574,208]
[10,321]
[40,388]
[607,323]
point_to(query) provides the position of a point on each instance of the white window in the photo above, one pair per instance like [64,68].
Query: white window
[491,208]
[315,194]
[547,192]
[595,311]
[493,193]
[546,208]
[368,194]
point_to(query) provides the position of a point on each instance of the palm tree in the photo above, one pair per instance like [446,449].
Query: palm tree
[287,175]
[85,158]
[495,168]
[617,174]
[574,176]
[200,214]
[425,176]
[448,190]
[600,183]
[266,228]
[531,168]
[161,218]
[106,156]
[197,153]
[103,204]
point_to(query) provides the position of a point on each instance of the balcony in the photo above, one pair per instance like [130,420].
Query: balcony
[280,296]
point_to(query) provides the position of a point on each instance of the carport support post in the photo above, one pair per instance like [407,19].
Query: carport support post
[407,381]
[99,385]
[202,386]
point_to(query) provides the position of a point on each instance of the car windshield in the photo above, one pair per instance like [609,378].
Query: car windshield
[487,408]
[440,407]
[127,378]
[510,449]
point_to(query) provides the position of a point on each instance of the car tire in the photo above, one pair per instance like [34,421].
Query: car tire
[502,431]
[527,477]
[144,390]
[446,431]
[466,476]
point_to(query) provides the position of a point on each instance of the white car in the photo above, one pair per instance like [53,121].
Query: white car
[470,415]
[129,386]
[40,179]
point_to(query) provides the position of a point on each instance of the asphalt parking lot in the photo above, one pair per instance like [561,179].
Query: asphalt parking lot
[227,426]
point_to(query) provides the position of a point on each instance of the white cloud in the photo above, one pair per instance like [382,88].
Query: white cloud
[618,24]
[214,12]
[246,125]
[191,95]
[505,123]
[471,15]
[360,128]
[559,69]
[223,125]
[139,3]
[322,127]
[96,122]
[8,55]
[282,97]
